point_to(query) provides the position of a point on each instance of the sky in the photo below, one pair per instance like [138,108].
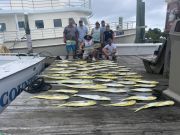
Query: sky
[111,10]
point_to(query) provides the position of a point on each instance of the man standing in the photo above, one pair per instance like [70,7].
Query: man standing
[96,34]
[82,31]
[70,38]
[103,29]
[108,34]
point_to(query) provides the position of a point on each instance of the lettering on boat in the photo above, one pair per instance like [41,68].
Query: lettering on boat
[9,95]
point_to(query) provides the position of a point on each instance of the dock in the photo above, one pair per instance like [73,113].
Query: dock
[27,116]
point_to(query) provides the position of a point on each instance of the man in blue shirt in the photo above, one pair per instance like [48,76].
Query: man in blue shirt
[82,31]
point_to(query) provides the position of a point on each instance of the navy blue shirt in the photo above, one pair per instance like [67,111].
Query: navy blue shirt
[107,35]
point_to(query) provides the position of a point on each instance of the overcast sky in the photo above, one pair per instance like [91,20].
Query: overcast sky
[110,10]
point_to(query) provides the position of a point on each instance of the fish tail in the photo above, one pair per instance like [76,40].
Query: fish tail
[139,109]
[60,105]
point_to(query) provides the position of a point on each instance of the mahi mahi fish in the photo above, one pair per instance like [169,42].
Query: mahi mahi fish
[147,82]
[113,85]
[142,90]
[156,104]
[145,85]
[89,86]
[75,81]
[94,97]
[64,91]
[112,90]
[79,103]
[140,98]
[122,104]
[127,82]
[52,97]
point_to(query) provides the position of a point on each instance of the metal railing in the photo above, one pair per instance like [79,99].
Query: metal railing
[43,4]
[35,33]
[53,32]
[115,25]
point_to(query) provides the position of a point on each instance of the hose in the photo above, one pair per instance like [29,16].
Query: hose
[38,86]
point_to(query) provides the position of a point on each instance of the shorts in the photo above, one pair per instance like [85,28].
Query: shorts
[97,45]
[88,53]
[70,45]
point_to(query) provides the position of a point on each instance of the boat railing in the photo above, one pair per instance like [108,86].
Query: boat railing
[47,33]
[118,27]
[43,4]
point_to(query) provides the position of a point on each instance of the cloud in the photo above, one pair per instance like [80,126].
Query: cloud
[111,10]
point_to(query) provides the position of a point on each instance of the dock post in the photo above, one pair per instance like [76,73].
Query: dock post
[140,21]
[28,34]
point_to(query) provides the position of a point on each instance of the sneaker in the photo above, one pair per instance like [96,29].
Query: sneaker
[93,59]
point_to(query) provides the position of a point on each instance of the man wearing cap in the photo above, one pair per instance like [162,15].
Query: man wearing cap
[108,34]
[82,30]
[96,35]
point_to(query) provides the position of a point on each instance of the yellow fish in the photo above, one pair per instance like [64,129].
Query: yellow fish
[140,98]
[64,91]
[122,104]
[156,104]
[145,85]
[94,97]
[133,76]
[52,97]
[111,90]
[79,103]
[87,86]
[83,77]
[142,90]
[127,82]
[75,81]
[107,77]
[102,80]
[56,77]
[113,85]
[147,82]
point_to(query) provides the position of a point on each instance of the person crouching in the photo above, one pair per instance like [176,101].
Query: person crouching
[88,48]
[110,50]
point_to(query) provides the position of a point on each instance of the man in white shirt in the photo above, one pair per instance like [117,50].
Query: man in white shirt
[110,50]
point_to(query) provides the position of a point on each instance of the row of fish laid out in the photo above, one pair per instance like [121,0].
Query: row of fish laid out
[107,90]
[102,76]
[89,84]
[130,101]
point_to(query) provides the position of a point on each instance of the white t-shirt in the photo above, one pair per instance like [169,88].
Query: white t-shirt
[111,48]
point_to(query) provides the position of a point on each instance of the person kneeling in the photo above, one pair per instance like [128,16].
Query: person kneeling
[110,50]
[88,48]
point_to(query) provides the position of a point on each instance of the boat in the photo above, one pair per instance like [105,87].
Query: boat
[16,73]
[47,20]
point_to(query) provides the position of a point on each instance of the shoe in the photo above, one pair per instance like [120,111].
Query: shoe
[93,59]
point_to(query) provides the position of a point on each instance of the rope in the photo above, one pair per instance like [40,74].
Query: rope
[38,86]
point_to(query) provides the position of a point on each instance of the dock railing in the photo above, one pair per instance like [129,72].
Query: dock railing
[43,4]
